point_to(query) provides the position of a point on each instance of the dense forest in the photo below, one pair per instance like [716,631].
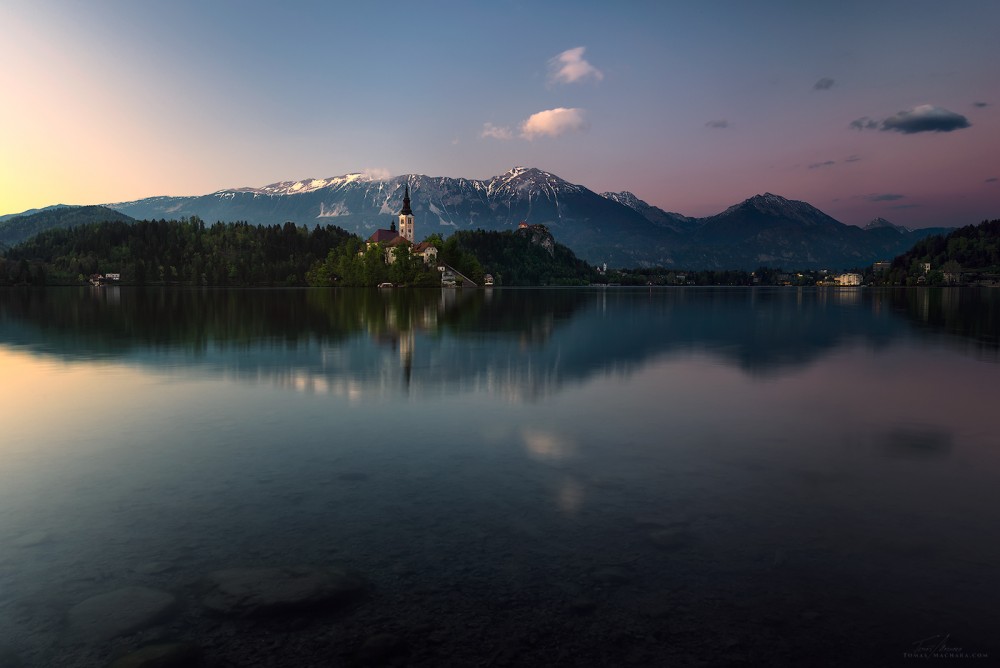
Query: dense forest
[16,229]
[528,256]
[172,252]
[967,250]
[187,252]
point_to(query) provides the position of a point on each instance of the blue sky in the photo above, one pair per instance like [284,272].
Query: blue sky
[692,106]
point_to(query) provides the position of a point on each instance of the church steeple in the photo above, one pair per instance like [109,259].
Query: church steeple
[405,211]
[406,217]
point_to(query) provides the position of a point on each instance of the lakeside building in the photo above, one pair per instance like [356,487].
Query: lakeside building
[849,279]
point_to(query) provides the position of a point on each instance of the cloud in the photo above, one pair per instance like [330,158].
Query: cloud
[887,197]
[376,173]
[992,179]
[826,83]
[723,123]
[864,123]
[495,132]
[817,165]
[925,118]
[553,122]
[570,67]
[980,104]
[853,158]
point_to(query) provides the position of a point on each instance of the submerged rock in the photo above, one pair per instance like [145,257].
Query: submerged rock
[120,612]
[247,592]
[168,655]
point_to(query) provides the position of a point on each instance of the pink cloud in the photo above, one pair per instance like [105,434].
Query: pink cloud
[570,67]
[553,122]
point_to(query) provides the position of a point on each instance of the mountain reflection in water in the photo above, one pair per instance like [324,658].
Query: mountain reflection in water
[647,477]
[514,342]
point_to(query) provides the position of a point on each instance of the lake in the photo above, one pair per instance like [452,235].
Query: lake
[649,477]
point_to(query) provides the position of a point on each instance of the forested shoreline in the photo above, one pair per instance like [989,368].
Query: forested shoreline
[172,252]
[188,252]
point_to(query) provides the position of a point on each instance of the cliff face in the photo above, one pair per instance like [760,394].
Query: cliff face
[539,235]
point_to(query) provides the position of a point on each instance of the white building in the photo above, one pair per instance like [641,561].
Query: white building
[849,279]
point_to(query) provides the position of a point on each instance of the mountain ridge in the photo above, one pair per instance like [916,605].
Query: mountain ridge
[18,228]
[617,228]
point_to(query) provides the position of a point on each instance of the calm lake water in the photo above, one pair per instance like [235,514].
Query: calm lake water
[800,477]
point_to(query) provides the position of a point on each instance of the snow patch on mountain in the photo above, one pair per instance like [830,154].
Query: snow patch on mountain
[311,185]
[626,198]
[338,209]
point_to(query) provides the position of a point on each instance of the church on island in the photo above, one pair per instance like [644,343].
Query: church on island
[390,238]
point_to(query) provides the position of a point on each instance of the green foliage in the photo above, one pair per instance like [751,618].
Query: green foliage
[355,264]
[175,252]
[973,247]
[19,228]
[513,259]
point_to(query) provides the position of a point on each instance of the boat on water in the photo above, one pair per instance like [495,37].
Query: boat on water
[385,285]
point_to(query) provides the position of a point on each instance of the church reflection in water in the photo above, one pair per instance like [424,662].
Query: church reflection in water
[517,343]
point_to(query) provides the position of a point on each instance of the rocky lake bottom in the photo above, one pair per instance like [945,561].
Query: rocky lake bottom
[474,579]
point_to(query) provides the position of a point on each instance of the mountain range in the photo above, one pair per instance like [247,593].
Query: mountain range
[617,228]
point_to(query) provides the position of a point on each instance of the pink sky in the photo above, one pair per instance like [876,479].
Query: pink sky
[691,107]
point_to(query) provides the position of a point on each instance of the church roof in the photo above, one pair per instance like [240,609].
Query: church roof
[379,236]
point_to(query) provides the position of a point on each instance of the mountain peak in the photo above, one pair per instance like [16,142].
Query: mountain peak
[879,223]
[625,197]
[521,172]
[309,185]
[530,179]
[767,199]
[776,208]
[768,203]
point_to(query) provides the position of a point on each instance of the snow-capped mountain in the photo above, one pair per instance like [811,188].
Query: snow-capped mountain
[617,228]
[593,226]
[654,214]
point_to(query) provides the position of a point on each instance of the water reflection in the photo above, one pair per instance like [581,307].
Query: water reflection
[682,477]
[514,343]
[919,441]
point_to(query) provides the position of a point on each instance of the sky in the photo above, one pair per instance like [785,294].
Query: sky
[862,109]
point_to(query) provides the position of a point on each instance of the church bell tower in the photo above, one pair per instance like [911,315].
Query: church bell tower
[406,218]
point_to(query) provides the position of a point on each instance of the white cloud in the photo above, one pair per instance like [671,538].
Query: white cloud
[570,67]
[495,132]
[376,174]
[553,122]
